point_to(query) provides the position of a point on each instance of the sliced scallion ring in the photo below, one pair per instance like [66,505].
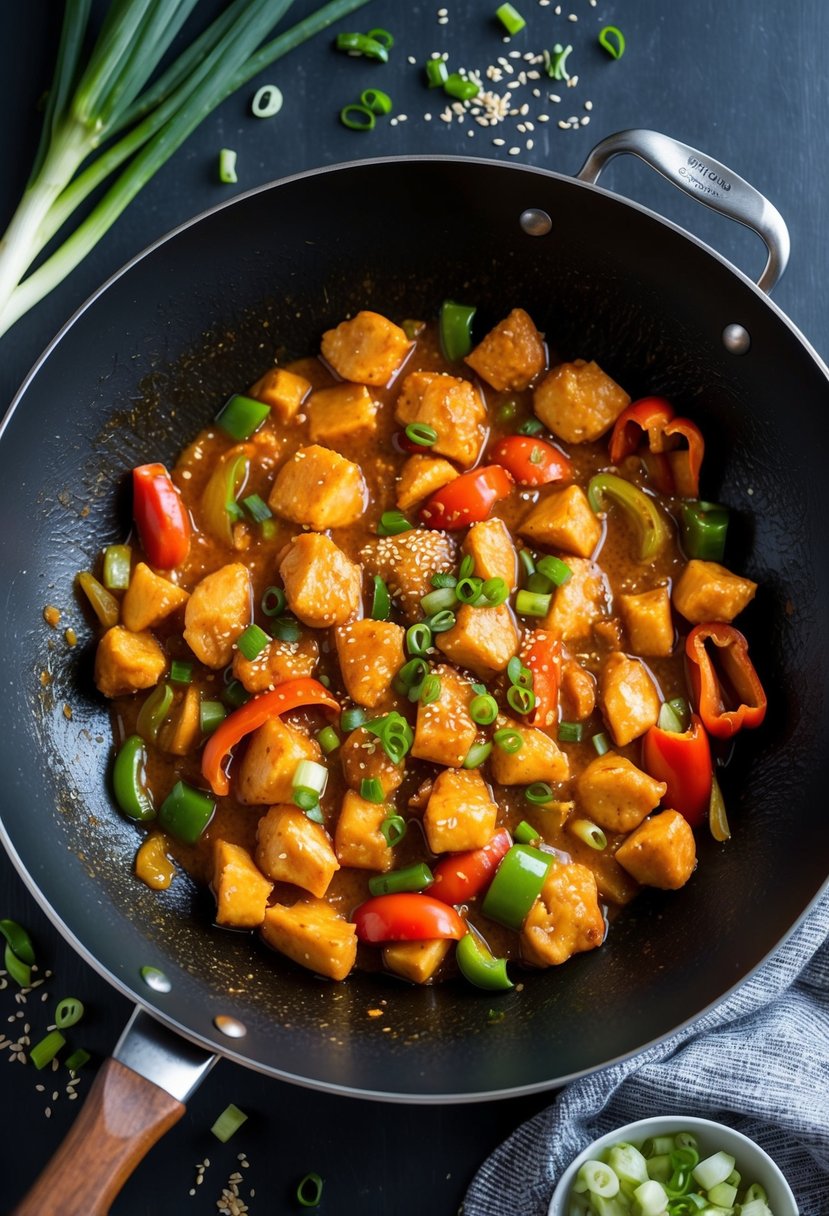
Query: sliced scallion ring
[357,118]
[267,101]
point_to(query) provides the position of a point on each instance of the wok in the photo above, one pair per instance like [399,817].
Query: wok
[144,364]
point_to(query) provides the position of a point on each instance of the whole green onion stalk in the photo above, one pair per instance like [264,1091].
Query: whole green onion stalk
[111,115]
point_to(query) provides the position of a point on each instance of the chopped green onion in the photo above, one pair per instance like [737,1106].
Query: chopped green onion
[527,563]
[416,877]
[589,833]
[308,801]
[392,523]
[44,1052]
[286,629]
[309,1191]
[421,433]
[538,793]
[20,972]
[310,775]
[601,743]
[394,733]
[539,584]
[211,713]
[181,672]
[228,1122]
[153,712]
[469,589]
[455,321]
[570,732]
[267,101]
[129,780]
[418,639]
[509,740]
[268,529]
[467,566]
[78,1058]
[553,568]
[351,718]
[612,40]
[383,37]
[117,564]
[324,680]
[19,941]
[522,700]
[460,87]
[186,812]
[510,18]
[518,674]
[437,73]
[479,689]
[507,410]
[525,833]
[393,829]
[314,813]
[257,508]
[227,166]
[410,676]
[235,694]
[494,592]
[435,601]
[477,755]
[376,100]
[430,690]
[557,62]
[68,1013]
[362,44]
[371,790]
[483,709]
[412,329]
[328,740]
[442,579]
[668,719]
[441,622]
[532,426]
[358,118]
[495,1016]
[273,602]
[530,603]
[240,417]
[380,600]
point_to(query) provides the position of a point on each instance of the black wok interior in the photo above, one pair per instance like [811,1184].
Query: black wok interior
[150,360]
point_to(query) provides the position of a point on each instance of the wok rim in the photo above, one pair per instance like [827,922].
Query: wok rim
[214,1047]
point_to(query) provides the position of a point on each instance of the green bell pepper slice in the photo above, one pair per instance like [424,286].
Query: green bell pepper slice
[455,325]
[129,780]
[517,885]
[651,526]
[480,966]
[186,812]
[704,528]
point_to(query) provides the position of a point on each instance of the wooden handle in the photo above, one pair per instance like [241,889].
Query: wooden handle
[122,1118]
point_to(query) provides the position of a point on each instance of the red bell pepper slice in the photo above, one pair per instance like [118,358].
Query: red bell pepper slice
[468,499]
[656,417]
[160,516]
[531,461]
[683,761]
[462,876]
[288,695]
[722,678]
[408,917]
[541,652]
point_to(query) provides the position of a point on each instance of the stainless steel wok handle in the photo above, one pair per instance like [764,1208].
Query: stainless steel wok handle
[706,180]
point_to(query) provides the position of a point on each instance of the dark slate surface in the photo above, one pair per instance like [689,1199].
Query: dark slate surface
[745,82]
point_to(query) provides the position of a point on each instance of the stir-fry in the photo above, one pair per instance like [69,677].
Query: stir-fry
[422,655]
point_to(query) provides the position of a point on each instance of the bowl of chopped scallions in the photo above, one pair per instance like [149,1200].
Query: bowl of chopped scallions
[673,1165]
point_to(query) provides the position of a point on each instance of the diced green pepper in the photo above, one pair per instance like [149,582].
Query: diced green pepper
[129,780]
[186,812]
[516,885]
[240,417]
[478,965]
[704,528]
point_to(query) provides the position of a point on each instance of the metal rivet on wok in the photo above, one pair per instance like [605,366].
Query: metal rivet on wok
[232,1027]
[736,339]
[155,979]
[535,222]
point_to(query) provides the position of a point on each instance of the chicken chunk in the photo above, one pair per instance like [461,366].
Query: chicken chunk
[242,891]
[628,697]
[267,769]
[577,603]
[451,406]
[420,477]
[578,402]
[126,662]
[511,355]
[277,662]
[358,841]
[538,758]
[407,563]
[219,609]
[314,935]
[363,755]
[283,391]
[661,852]
[460,813]
[565,919]
[149,599]
[617,795]
[292,848]
[416,961]
[482,639]
[444,731]
[319,488]
[647,619]
[577,692]
[491,549]
[368,349]
[323,587]
[564,520]
[341,412]
[370,654]
[707,591]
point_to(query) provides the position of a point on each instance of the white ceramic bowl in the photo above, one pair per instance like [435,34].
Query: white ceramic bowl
[753,1162]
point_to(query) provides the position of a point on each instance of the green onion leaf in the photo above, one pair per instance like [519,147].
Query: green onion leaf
[383,37]
[570,732]
[273,601]
[380,600]
[211,713]
[257,508]
[494,592]
[436,601]
[467,566]
[393,523]
[181,672]
[422,434]
[441,622]
[19,941]
[527,563]
[78,1058]
[416,877]
[228,1123]
[393,829]
[529,603]
[314,813]
[477,755]
[509,740]
[328,740]
[531,427]
[483,709]
[418,639]
[601,743]
[442,579]
[240,417]
[612,40]
[538,793]
[411,675]
[394,733]
[235,694]
[358,118]
[463,89]
[521,700]
[362,44]
[518,674]
[430,690]
[589,833]
[376,100]
[20,972]
[437,73]
[553,568]
[286,629]
[351,718]
[371,790]
[307,800]
[468,590]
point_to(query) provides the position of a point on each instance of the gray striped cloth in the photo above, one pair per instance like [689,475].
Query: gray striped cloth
[758,1062]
